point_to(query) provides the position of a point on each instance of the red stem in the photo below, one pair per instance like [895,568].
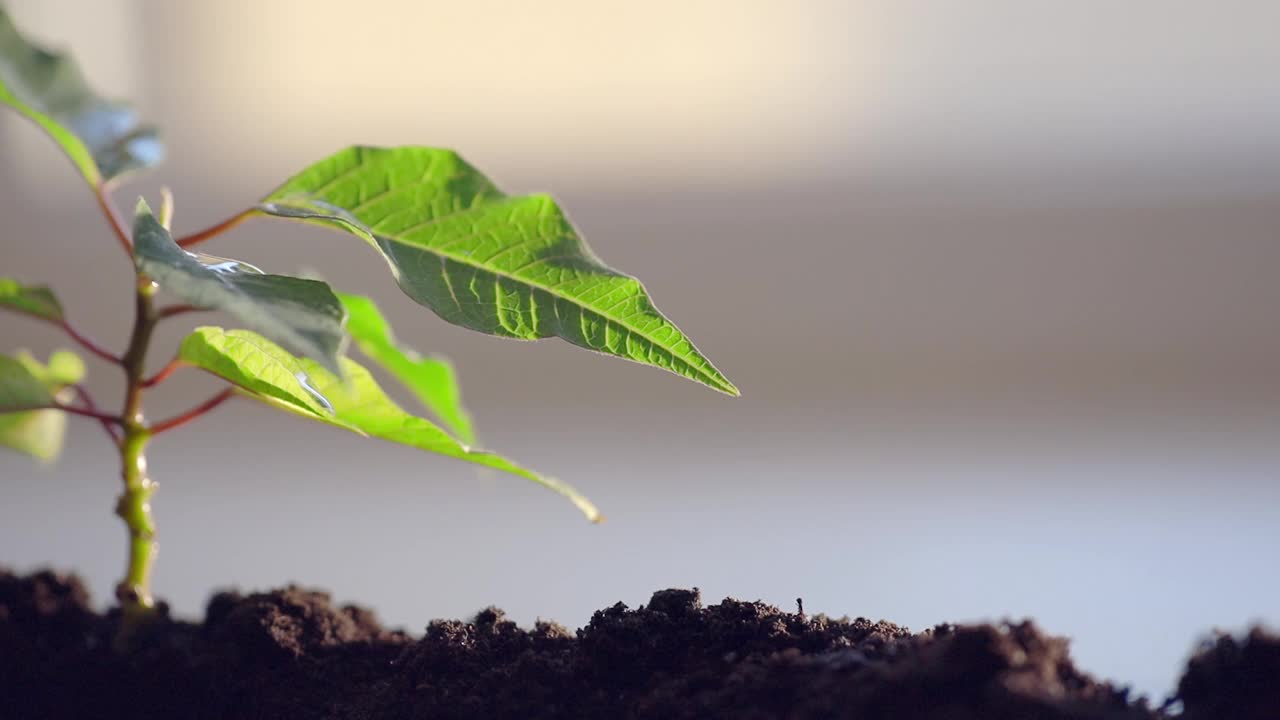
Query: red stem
[225,225]
[193,413]
[112,215]
[164,373]
[89,404]
[172,310]
[83,412]
[90,345]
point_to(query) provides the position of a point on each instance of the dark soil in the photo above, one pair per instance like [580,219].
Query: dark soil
[293,654]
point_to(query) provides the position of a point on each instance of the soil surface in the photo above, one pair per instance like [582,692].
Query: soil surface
[292,653]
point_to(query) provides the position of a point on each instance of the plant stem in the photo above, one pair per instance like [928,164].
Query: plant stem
[90,345]
[103,194]
[225,225]
[134,506]
[175,310]
[108,424]
[164,373]
[83,412]
[193,413]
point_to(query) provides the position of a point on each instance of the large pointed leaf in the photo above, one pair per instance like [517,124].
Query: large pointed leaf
[358,404]
[35,300]
[302,315]
[431,379]
[508,266]
[104,139]
[25,382]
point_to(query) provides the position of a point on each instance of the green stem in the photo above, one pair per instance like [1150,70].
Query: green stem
[134,506]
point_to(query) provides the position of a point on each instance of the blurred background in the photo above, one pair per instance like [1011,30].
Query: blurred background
[997,280]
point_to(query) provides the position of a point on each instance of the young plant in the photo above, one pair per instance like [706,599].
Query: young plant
[510,266]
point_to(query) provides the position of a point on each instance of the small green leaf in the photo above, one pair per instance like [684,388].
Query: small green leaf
[25,382]
[508,266]
[20,386]
[104,139]
[302,315]
[431,379]
[35,300]
[64,368]
[38,433]
[248,360]
[358,404]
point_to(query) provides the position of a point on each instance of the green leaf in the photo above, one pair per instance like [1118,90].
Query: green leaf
[358,404]
[250,361]
[35,300]
[39,433]
[302,315]
[431,379]
[64,368]
[104,139]
[508,266]
[25,382]
[20,386]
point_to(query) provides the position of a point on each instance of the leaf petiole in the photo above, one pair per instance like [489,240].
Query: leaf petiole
[102,193]
[164,373]
[192,414]
[213,231]
[90,345]
[172,310]
[107,425]
[83,412]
